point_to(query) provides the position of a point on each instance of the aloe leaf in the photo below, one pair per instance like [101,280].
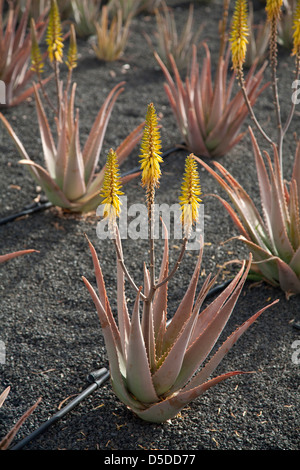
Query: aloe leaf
[15,138]
[185,307]
[264,185]
[138,374]
[5,392]
[123,316]
[278,213]
[263,261]
[116,360]
[212,364]
[104,302]
[288,279]
[160,300]
[46,136]
[74,185]
[15,254]
[164,377]
[249,215]
[296,169]
[212,321]
[4,444]
[170,407]
[52,191]
[294,211]
[295,262]
[94,141]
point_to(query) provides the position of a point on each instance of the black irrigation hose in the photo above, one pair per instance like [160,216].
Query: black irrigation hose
[97,378]
[30,209]
[39,206]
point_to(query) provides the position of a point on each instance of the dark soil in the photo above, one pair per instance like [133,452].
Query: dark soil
[49,323]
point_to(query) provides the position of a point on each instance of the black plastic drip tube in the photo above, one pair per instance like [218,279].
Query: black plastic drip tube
[28,210]
[97,378]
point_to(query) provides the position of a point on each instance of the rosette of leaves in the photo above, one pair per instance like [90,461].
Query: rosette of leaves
[156,366]
[15,51]
[272,235]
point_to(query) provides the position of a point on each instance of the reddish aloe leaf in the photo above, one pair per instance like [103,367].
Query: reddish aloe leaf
[15,254]
[46,136]
[94,141]
[53,192]
[74,186]
[160,300]
[6,441]
[4,395]
[185,307]
[116,360]
[210,325]
[166,375]
[138,374]
[251,220]
[294,212]
[288,279]
[169,408]
[123,316]
[212,364]
[104,302]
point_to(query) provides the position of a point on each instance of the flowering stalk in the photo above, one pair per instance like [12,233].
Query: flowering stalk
[238,40]
[150,166]
[71,61]
[190,192]
[55,44]
[111,189]
[37,62]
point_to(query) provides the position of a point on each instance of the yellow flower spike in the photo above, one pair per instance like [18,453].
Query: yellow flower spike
[190,192]
[151,150]
[296,28]
[111,189]
[54,34]
[239,33]
[71,61]
[37,64]
[273,9]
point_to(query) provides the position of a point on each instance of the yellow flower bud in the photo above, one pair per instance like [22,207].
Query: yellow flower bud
[111,189]
[150,150]
[54,34]
[190,192]
[239,33]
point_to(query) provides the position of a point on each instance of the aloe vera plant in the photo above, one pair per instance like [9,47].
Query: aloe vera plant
[209,118]
[272,236]
[15,50]
[69,180]
[111,35]
[155,365]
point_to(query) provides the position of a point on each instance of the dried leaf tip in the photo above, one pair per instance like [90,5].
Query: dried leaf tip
[111,189]
[54,34]
[71,61]
[37,64]
[151,150]
[190,192]
[296,28]
[273,9]
[239,34]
